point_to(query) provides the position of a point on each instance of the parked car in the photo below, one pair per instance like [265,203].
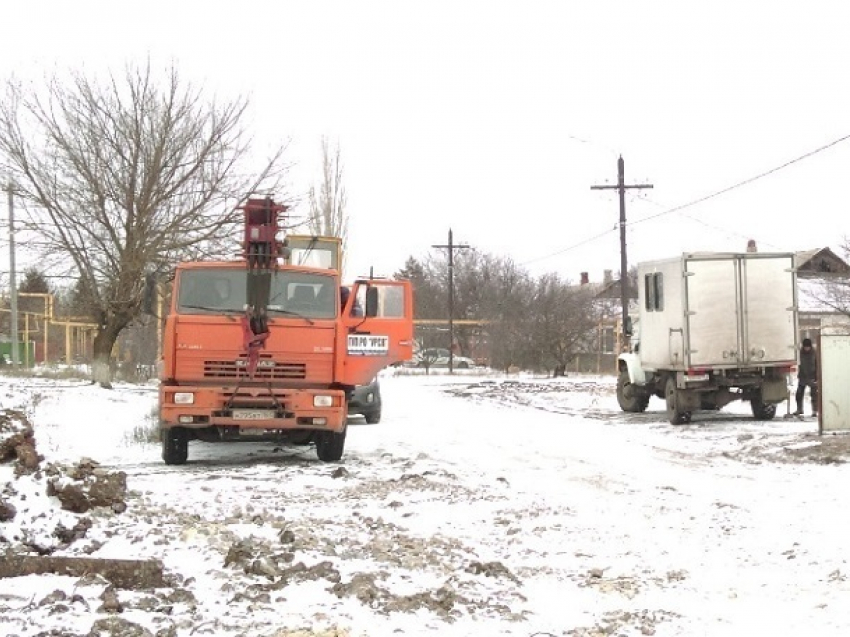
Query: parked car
[366,401]
[439,357]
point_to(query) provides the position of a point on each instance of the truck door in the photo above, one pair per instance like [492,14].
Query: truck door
[712,289]
[769,300]
[378,329]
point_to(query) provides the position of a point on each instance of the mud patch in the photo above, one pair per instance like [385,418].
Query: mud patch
[551,395]
[636,622]
[805,448]
[595,578]
[445,601]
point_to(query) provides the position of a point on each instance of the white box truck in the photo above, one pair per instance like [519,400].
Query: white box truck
[712,328]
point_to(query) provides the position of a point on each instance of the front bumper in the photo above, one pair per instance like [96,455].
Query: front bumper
[252,408]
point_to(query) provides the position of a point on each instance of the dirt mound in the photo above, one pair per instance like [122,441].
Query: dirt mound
[85,486]
[32,524]
[17,442]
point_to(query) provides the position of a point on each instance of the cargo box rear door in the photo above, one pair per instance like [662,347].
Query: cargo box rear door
[769,318]
[712,289]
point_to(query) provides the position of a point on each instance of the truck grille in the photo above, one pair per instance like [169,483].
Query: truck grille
[267,369]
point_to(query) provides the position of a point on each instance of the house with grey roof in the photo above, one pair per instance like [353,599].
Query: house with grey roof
[823,290]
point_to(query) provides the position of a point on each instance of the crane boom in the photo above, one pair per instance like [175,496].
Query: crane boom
[261,251]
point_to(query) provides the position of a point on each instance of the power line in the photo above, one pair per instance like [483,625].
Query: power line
[726,231]
[743,183]
[573,246]
[691,203]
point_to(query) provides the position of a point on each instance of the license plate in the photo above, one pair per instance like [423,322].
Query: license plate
[253,414]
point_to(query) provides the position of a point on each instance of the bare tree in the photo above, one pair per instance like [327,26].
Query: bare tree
[327,206]
[507,304]
[825,290]
[563,322]
[34,282]
[429,296]
[473,275]
[127,175]
[831,292]
[532,323]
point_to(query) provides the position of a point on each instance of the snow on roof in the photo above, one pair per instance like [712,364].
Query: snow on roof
[818,261]
[804,256]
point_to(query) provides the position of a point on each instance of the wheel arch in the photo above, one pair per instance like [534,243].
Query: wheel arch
[631,363]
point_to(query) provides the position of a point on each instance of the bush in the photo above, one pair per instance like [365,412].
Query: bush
[146,432]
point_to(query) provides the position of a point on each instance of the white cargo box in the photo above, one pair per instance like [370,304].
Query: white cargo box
[718,310]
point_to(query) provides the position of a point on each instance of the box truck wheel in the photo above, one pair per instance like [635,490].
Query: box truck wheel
[631,398]
[330,445]
[675,413]
[175,445]
[762,410]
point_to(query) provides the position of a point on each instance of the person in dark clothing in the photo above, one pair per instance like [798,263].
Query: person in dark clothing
[807,376]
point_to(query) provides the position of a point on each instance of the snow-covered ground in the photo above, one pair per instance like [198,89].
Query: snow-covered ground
[480,505]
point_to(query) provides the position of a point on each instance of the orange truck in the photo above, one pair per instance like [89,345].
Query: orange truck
[264,348]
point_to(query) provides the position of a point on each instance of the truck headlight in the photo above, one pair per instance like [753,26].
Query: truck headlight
[323,401]
[184,398]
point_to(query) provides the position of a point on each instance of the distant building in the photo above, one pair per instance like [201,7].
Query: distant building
[823,289]
[602,348]
[821,262]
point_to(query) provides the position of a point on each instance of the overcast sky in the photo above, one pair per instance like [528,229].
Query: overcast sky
[495,118]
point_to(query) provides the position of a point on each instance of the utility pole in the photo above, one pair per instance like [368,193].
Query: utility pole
[451,246]
[624,273]
[13,286]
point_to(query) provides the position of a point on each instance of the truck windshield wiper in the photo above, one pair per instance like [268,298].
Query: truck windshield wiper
[207,308]
[220,310]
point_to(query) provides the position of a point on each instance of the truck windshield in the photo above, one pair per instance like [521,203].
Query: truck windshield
[222,291]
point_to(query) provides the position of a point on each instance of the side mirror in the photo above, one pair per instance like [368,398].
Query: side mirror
[629,329]
[371,301]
